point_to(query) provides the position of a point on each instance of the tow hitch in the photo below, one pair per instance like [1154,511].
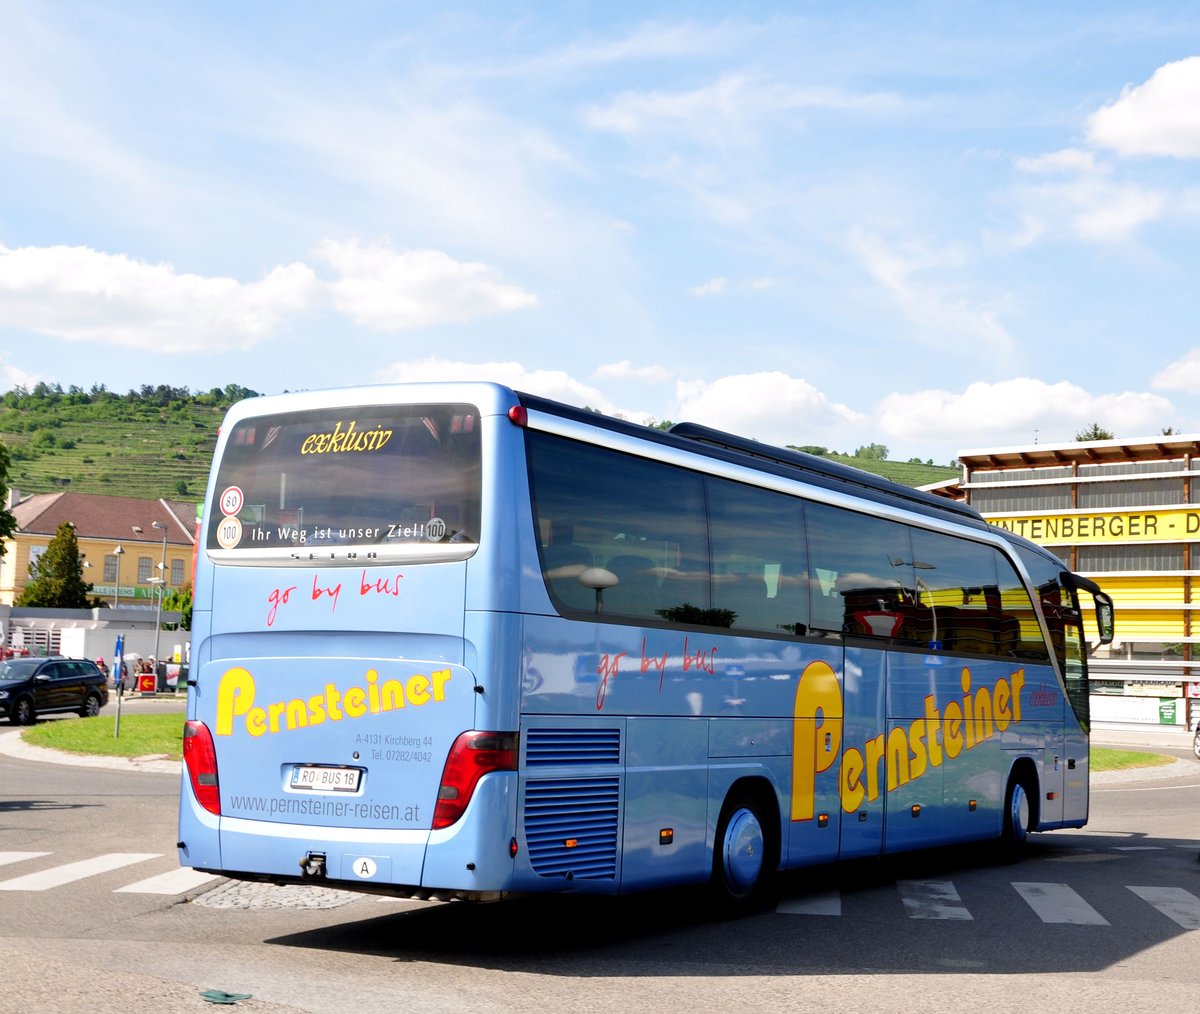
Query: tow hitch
[312,866]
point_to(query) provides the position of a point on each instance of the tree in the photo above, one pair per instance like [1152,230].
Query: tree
[8,524]
[1093,432]
[56,577]
[873,452]
[179,600]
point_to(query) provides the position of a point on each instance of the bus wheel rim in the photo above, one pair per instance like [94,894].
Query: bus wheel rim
[743,850]
[1019,813]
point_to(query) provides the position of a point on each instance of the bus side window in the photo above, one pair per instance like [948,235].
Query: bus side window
[636,591]
[866,564]
[959,580]
[564,563]
[758,552]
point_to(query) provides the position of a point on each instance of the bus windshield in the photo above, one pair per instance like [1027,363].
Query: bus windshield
[396,478]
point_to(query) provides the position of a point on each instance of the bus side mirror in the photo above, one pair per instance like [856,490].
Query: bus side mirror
[1105,622]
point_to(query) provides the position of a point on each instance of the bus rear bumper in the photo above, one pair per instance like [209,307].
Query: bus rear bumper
[472,859]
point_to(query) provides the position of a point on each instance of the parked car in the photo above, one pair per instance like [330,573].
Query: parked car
[40,686]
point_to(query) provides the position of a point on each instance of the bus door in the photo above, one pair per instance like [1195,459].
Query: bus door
[916,814]
[816,811]
[863,782]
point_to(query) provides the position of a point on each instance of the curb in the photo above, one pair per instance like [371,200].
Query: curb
[12,745]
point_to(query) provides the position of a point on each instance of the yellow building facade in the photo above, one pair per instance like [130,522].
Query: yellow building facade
[133,550]
[1125,513]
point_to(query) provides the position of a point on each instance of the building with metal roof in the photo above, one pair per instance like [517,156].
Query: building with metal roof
[1125,513]
[132,549]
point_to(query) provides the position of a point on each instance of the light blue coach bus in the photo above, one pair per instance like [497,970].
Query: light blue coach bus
[453,641]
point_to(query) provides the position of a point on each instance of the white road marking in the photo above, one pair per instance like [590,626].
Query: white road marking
[931,899]
[1175,903]
[172,882]
[17,857]
[58,875]
[1057,903]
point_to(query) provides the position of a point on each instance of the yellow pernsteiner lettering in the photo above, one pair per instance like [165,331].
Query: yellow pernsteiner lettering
[850,783]
[1001,697]
[256,721]
[417,689]
[236,700]
[897,758]
[952,736]
[906,753]
[874,756]
[354,701]
[1018,683]
[816,733]
[235,696]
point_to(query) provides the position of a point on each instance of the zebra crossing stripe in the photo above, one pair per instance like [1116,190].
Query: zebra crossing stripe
[1057,903]
[1175,903]
[172,882]
[17,857]
[58,875]
[931,899]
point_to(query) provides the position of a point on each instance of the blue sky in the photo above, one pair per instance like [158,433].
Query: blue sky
[934,226]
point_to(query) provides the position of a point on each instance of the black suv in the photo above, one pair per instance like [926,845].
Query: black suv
[38,686]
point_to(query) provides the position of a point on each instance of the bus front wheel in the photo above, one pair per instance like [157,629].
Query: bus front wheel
[1018,819]
[743,855]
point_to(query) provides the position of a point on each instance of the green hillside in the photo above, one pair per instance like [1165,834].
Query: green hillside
[908,473]
[158,442]
[153,443]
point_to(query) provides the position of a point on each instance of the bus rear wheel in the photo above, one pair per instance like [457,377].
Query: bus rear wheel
[744,855]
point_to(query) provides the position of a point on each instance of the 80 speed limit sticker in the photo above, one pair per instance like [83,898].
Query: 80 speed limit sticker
[232,500]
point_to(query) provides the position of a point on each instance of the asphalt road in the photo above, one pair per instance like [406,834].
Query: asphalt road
[1107,918]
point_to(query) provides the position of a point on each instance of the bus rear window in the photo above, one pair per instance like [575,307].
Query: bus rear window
[401,482]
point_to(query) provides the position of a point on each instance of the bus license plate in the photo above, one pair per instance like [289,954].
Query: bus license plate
[325,779]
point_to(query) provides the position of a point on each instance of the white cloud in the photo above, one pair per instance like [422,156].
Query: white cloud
[720,285]
[942,317]
[1181,375]
[84,295]
[1022,410]
[1160,117]
[1068,160]
[391,290]
[13,376]
[713,287]
[553,384]
[1095,208]
[1117,211]
[773,407]
[733,105]
[625,370]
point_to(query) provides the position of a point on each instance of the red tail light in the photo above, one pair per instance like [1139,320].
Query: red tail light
[473,755]
[200,758]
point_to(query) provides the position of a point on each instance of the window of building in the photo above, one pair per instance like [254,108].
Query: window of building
[176,573]
[145,569]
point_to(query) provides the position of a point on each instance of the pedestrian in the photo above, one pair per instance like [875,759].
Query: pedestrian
[103,667]
[120,679]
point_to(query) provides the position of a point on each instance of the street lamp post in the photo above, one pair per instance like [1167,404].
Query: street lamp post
[118,553]
[161,581]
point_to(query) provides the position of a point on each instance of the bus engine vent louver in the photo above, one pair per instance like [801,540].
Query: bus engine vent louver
[571,827]
[572,746]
